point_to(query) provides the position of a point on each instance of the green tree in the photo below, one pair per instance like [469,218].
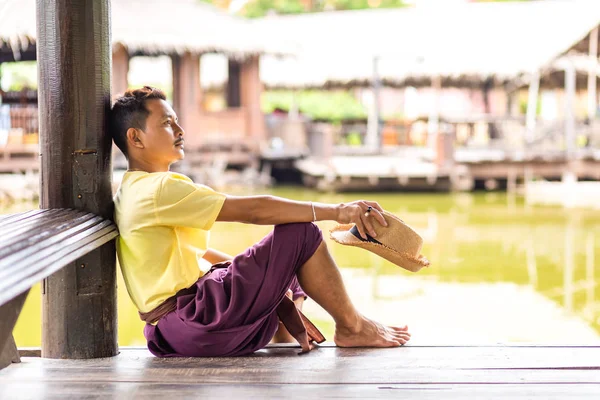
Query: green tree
[260,8]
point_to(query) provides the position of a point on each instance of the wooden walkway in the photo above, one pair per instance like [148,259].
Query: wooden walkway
[424,372]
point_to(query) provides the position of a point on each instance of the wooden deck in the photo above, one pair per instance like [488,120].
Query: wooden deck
[424,372]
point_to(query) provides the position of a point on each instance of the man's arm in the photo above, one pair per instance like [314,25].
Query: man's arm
[215,256]
[271,210]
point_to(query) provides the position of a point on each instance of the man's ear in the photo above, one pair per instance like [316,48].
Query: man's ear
[134,138]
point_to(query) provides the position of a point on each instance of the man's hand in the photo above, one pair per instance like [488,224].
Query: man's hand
[356,213]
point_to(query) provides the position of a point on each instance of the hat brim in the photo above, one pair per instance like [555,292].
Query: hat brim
[342,235]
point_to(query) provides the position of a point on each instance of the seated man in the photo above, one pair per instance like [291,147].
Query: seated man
[198,301]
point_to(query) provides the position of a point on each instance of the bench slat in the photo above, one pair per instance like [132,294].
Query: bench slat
[10,218]
[56,261]
[24,224]
[48,246]
[9,233]
[17,265]
[45,229]
[38,243]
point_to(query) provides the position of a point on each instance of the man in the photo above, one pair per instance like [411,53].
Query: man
[198,301]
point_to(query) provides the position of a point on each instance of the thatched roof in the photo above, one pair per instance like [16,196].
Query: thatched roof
[149,27]
[464,44]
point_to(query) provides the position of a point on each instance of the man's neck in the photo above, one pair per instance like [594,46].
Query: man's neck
[140,165]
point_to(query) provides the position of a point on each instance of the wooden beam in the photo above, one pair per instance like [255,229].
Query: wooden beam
[79,301]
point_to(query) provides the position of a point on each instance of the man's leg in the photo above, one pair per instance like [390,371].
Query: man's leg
[322,282]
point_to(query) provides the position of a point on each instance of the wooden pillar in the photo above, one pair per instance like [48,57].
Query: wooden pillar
[570,82]
[187,96]
[374,138]
[510,99]
[233,84]
[79,315]
[120,70]
[177,83]
[593,75]
[433,124]
[531,117]
[251,90]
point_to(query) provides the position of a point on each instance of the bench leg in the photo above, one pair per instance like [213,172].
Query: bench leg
[9,313]
[9,354]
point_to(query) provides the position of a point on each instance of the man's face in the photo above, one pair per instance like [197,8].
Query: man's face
[163,137]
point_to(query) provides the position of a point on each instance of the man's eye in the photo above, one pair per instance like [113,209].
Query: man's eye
[167,122]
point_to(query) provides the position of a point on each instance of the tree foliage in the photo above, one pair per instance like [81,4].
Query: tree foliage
[260,8]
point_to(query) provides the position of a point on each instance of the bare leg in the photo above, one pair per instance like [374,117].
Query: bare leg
[321,280]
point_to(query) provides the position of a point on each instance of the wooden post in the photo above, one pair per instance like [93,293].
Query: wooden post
[531,117]
[79,317]
[570,77]
[177,84]
[433,122]
[233,84]
[250,92]
[593,75]
[186,88]
[374,137]
[120,70]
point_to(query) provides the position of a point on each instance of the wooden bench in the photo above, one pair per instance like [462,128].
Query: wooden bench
[34,245]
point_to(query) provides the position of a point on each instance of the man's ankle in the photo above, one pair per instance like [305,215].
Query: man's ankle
[350,324]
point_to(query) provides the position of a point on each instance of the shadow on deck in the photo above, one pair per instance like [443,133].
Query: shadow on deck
[540,372]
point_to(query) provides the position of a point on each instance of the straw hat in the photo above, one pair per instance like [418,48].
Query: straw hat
[397,243]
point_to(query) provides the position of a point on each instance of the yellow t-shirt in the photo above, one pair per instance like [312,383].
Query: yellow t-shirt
[164,220]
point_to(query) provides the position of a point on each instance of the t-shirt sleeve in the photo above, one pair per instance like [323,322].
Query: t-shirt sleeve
[181,202]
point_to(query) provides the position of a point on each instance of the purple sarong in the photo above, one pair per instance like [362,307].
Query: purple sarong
[232,311]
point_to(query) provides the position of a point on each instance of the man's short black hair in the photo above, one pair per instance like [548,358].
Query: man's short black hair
[129,111]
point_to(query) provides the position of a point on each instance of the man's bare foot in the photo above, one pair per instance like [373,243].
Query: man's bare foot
[369,333]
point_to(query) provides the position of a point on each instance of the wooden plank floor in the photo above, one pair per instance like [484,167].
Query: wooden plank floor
[490,372]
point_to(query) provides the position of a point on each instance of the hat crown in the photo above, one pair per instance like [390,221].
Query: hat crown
[398,236]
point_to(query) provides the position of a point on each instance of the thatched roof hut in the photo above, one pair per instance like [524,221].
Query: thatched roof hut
[464,44]
[149,27]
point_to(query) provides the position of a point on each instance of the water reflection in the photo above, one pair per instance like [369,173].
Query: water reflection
[501,272]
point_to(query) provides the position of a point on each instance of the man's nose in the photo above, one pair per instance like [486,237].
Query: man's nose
[179,130]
